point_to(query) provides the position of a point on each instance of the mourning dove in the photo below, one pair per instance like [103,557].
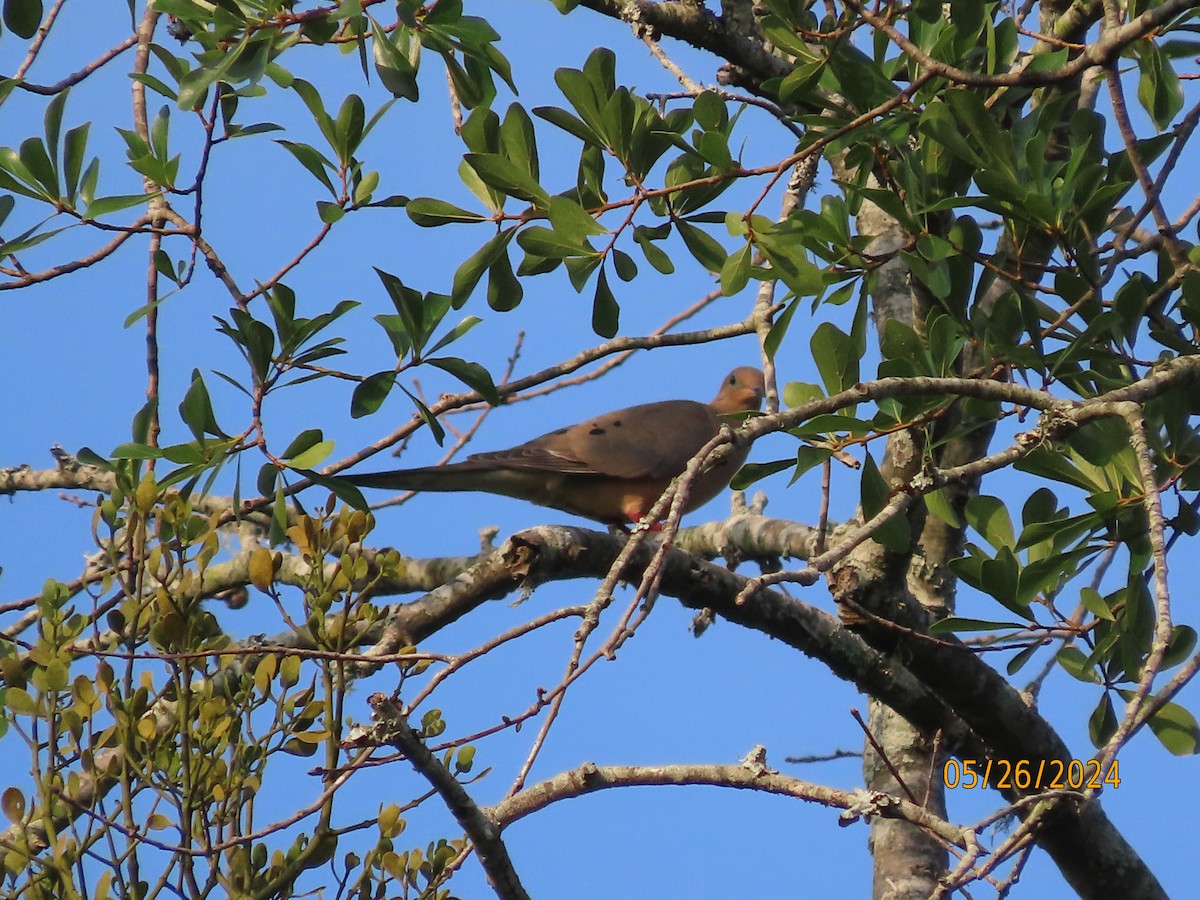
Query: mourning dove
[612,468]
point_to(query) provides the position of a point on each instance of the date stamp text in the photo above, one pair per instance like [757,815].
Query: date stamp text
[1030,775]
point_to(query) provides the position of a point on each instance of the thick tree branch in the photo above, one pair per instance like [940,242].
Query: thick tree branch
[482,828]
[694,24]
[589,778]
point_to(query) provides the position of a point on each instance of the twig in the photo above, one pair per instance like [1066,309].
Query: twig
[883,756]
[39,38]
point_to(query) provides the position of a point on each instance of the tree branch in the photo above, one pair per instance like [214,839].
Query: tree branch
[589,778]
[484,831]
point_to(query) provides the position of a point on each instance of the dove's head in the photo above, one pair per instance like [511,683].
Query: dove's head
[742,390]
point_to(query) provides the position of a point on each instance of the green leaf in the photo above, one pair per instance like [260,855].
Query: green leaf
[19,702]
[572,221]
[87,181]
[653,253]
[159,133]
[315,102]
[1059,530]
[797,393]
[993,145]
[391,200]
[588,90]
[470,91]
[1180,645]
[1095,604]
[1076,665]
[938,505]
[989,516]
[952,624]
[22,17]
[703,246]
[489,196]
[142,420]
[17,177]
[136,451]
[624,265]
[472,374]
[940,124]
[901,344]
[342,489]
[102,206]
[1021,658]
[348,126]
[504,175]
[752,472]
[193,87]
[710,111]
[808,458]
[735,272]
[155,85]
[788,261]
[836,357]
[714,148]
[828,425]
[27,240]
[313,456]
[279,517]
[1001,578]
[396,65]
[37,162]
[606,312]
[166,268]
[305,440]
[53,122]
[779,329]
[430,213]
[254,338]
[1055,466]
[1102,723]
[895,534]
[568,123]
[1158,87]
[552,244]
[1176,729]
[313,161]
[504,291]
[196,409]
[455,333]
[518,143]
[875,492]
[370,393]
[329,213]
[409,306]
[467,276]
[580,269]
[799,84]
[946,340]
[435,427]
[90,457]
